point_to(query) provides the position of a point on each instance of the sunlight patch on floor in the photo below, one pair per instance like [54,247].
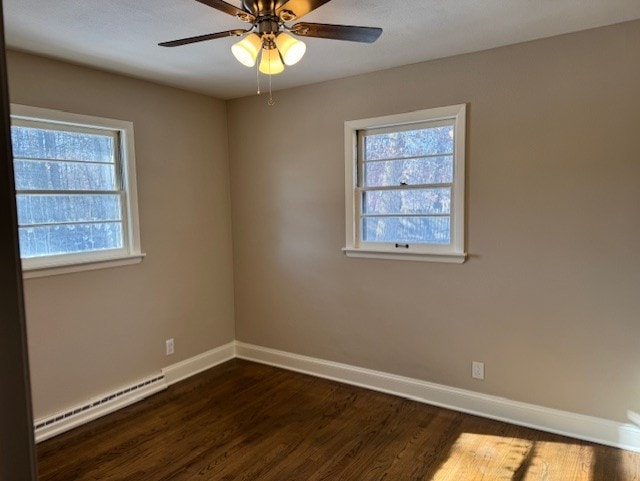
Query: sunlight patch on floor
[484,457]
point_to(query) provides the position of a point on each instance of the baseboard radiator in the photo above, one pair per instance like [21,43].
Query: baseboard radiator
[102,405]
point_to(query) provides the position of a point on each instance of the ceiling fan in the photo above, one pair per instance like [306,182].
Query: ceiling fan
[269,33]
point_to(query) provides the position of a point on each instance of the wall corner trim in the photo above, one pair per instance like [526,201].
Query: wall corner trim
[579,426]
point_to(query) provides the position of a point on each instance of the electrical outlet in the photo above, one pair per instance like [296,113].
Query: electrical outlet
[477,370]
[169,347]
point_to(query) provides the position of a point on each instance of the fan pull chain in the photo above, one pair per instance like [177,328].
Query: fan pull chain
[270,102]
[257,79]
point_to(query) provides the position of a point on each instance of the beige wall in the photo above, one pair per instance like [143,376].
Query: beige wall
[93,331]
[549,298]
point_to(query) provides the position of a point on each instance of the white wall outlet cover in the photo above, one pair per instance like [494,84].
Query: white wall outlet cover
[477,370]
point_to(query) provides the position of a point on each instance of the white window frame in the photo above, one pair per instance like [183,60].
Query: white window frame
[355,247]
[122,131]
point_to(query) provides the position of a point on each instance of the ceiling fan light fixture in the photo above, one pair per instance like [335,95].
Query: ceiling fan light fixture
[291,49]
[246,50]
[270,38]
[271,63]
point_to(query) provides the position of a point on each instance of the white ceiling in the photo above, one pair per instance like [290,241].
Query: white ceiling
[122,35]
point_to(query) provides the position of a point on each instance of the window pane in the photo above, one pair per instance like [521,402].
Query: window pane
[412,143]
[50,209]
[407,201]
[431,230]
[69,239]
[432,170]
[33,143]
[55,175]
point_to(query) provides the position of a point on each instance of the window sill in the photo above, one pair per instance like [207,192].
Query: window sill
[452,258]
[79,266]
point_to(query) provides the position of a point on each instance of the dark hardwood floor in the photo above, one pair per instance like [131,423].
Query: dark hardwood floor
[246,421]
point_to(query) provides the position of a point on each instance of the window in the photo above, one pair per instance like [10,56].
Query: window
[75,191]
[405,186]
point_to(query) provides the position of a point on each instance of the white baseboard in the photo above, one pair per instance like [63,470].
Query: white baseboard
[108,403]
[97,407]
[588,428]
[194,365]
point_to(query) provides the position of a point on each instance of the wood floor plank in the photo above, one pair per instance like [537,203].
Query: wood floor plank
[246,421]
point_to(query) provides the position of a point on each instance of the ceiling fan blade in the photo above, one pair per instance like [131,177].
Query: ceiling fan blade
[300,7]
[337,32]
[202,38]
[228,8]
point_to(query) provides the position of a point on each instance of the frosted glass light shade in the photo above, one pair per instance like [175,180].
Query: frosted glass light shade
[291,49]
[271,64]
[246,50]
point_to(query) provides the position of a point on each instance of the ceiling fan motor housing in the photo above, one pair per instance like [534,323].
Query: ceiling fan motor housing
[261,7]
[267,26]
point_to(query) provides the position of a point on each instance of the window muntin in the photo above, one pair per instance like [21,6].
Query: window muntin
[75,188]
[405,177]
[405,185]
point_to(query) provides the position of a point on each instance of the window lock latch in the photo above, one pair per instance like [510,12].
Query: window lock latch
[406,246]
